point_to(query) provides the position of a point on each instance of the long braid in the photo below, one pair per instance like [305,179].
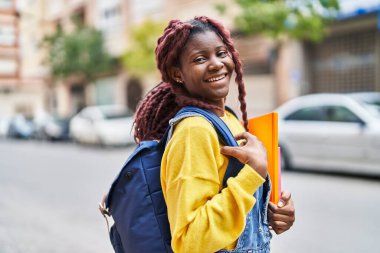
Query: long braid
[169,45]
[168,97]
[150,123]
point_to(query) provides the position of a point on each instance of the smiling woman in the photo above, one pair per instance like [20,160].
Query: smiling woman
[205,212]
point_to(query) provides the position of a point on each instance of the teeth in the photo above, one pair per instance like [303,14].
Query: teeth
[217,78]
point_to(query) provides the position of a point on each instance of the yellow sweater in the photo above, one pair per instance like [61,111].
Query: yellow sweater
[202,218]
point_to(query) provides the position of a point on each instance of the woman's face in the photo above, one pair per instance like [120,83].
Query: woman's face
[206,68]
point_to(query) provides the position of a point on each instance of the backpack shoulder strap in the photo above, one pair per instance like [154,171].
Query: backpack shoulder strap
[224,133]
[221,128]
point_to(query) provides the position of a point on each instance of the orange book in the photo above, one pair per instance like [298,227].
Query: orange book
[265,128]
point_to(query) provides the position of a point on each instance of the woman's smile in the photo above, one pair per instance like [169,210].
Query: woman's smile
[216,78]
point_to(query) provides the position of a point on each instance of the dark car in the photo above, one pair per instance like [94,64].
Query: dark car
[57,128]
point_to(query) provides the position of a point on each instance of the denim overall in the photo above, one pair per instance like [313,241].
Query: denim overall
[256,235]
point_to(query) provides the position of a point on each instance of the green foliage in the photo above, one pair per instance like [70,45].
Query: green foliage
[78,53]
[139,59]
[221,8]
[299,19]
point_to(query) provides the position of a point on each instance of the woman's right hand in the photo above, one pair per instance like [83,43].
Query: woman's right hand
[251,151]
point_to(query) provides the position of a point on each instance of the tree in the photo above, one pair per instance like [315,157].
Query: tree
[281,20]
[139,59]
[298,19]
[80,53]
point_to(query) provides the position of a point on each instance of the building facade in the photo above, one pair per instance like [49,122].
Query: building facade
[347,60]
[115,19]
[9,53]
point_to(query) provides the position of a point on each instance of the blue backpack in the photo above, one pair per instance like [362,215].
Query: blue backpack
[135,199]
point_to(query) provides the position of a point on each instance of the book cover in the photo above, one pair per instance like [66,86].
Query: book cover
[265,128]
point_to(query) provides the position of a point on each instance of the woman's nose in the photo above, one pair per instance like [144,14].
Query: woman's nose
[215,65]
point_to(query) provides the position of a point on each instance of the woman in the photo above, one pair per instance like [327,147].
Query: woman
[196,60]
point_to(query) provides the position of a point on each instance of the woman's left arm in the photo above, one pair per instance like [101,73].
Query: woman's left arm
[282,216]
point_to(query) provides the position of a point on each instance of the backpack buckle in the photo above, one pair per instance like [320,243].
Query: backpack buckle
[104,211]
[102,206]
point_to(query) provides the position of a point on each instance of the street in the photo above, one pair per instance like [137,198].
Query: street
[50,193]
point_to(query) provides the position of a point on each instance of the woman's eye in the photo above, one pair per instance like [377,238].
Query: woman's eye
[200,59]
[222,53]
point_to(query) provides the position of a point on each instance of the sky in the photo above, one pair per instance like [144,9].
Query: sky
[350,6]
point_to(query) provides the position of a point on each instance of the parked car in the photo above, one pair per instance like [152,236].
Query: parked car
[339,132]
[109,125]
[4,126]
[57,128]
[20,127]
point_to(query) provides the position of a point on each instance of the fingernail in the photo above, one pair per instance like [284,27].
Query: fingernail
[280,204]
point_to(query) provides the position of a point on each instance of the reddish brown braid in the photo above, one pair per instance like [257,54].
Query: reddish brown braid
[167,98]
[225,35]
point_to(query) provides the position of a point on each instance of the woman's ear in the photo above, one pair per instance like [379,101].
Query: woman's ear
[176,75]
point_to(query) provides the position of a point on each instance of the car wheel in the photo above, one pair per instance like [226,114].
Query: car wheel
[102,142]
[285,161]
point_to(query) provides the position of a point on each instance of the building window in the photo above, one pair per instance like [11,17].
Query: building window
[6,4]
[143,9]
[8,67]
[79,17]
[109,15]
[7,36]
[55,8]
[105,90]
[112,12]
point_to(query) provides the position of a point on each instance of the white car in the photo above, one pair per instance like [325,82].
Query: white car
[109,125]
[4,126]
[333,132]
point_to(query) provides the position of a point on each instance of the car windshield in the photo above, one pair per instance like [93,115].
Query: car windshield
[373,109]
[116,114]
[371,104]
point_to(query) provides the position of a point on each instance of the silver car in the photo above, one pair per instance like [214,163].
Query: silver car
[109,125]
[333,132]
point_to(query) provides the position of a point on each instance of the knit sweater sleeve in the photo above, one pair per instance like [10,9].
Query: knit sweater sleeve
[202,217]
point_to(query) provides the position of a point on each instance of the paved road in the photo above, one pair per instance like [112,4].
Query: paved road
[50,191]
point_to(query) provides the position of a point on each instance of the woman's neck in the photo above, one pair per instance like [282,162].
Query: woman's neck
[220,112]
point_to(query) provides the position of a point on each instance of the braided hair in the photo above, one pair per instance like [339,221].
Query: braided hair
[167,98]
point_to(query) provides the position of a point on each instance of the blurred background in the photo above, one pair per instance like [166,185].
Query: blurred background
[73,71]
